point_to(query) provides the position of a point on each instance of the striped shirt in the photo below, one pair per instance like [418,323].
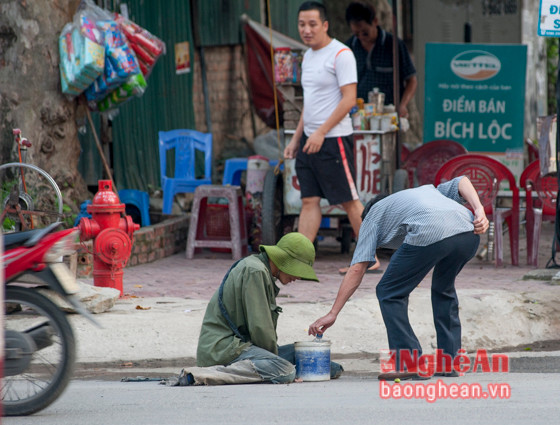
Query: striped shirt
[420,216]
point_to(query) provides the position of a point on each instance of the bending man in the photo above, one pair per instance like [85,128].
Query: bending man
[431,229]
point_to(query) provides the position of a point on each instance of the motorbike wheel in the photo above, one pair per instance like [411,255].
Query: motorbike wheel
[52,364]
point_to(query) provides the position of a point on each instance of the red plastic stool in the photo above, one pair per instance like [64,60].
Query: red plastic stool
[203,232]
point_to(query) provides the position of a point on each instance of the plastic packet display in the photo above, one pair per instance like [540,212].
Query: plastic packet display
[81,60]
[120,63]
[133,87]
[148,48]
[96,90]
[87,17]
[102,86]
[118,52]
[100,60]
[88,28]
[86,20]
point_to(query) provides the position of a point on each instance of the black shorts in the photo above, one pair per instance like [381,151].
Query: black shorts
[329,173]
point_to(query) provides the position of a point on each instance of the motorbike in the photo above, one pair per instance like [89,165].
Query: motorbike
[40,348]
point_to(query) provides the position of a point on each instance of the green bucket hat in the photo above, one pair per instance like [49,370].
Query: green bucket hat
[294,254]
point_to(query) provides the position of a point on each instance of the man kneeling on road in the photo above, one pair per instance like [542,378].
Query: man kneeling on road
[238,340]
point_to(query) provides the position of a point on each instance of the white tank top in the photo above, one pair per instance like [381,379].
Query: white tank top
[324,71]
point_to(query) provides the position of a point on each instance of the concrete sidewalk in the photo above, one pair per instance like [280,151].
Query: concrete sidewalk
[158,320]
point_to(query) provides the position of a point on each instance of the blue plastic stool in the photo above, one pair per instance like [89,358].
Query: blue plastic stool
[235,166]
[83,213]
[274,162]
[140,200]
[233,170]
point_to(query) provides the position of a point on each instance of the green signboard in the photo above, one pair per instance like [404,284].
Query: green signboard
[475,95]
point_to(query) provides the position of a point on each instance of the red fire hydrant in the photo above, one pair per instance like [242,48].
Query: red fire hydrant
[113,236]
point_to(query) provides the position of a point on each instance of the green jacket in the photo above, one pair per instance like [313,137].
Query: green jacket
[250,299]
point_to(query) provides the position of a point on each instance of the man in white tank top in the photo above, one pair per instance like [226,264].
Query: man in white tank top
[322,143]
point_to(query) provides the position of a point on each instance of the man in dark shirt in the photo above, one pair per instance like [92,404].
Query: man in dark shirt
[373,49]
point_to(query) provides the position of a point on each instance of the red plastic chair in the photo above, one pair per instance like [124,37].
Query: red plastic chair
[486,174]
[423,162]
[405,152]
[532,150]
[542,208]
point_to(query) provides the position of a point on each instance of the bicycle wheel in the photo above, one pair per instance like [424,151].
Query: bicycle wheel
[274,223]
[33,323]
[29,198]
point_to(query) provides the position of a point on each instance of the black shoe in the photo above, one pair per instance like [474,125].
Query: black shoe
[336,370]
[186,379]
[183,380]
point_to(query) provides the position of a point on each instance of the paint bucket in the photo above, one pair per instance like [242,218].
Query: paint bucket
[313,360]
[257,167]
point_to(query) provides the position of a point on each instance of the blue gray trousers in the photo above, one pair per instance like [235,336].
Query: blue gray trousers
[254,365]
[278,369]
[408,267]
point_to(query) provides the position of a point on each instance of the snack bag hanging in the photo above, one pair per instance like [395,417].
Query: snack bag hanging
[120,63]
[81,60]
[118,53]
[148,48]
[133,87]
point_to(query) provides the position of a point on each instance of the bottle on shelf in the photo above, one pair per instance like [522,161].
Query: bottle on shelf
[359,121]
[378,100]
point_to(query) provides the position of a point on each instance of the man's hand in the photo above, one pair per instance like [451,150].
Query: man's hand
[291,149]
[314,143]
[403,111]
[480,221]
[468,192]
[322,324]
[349,284]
